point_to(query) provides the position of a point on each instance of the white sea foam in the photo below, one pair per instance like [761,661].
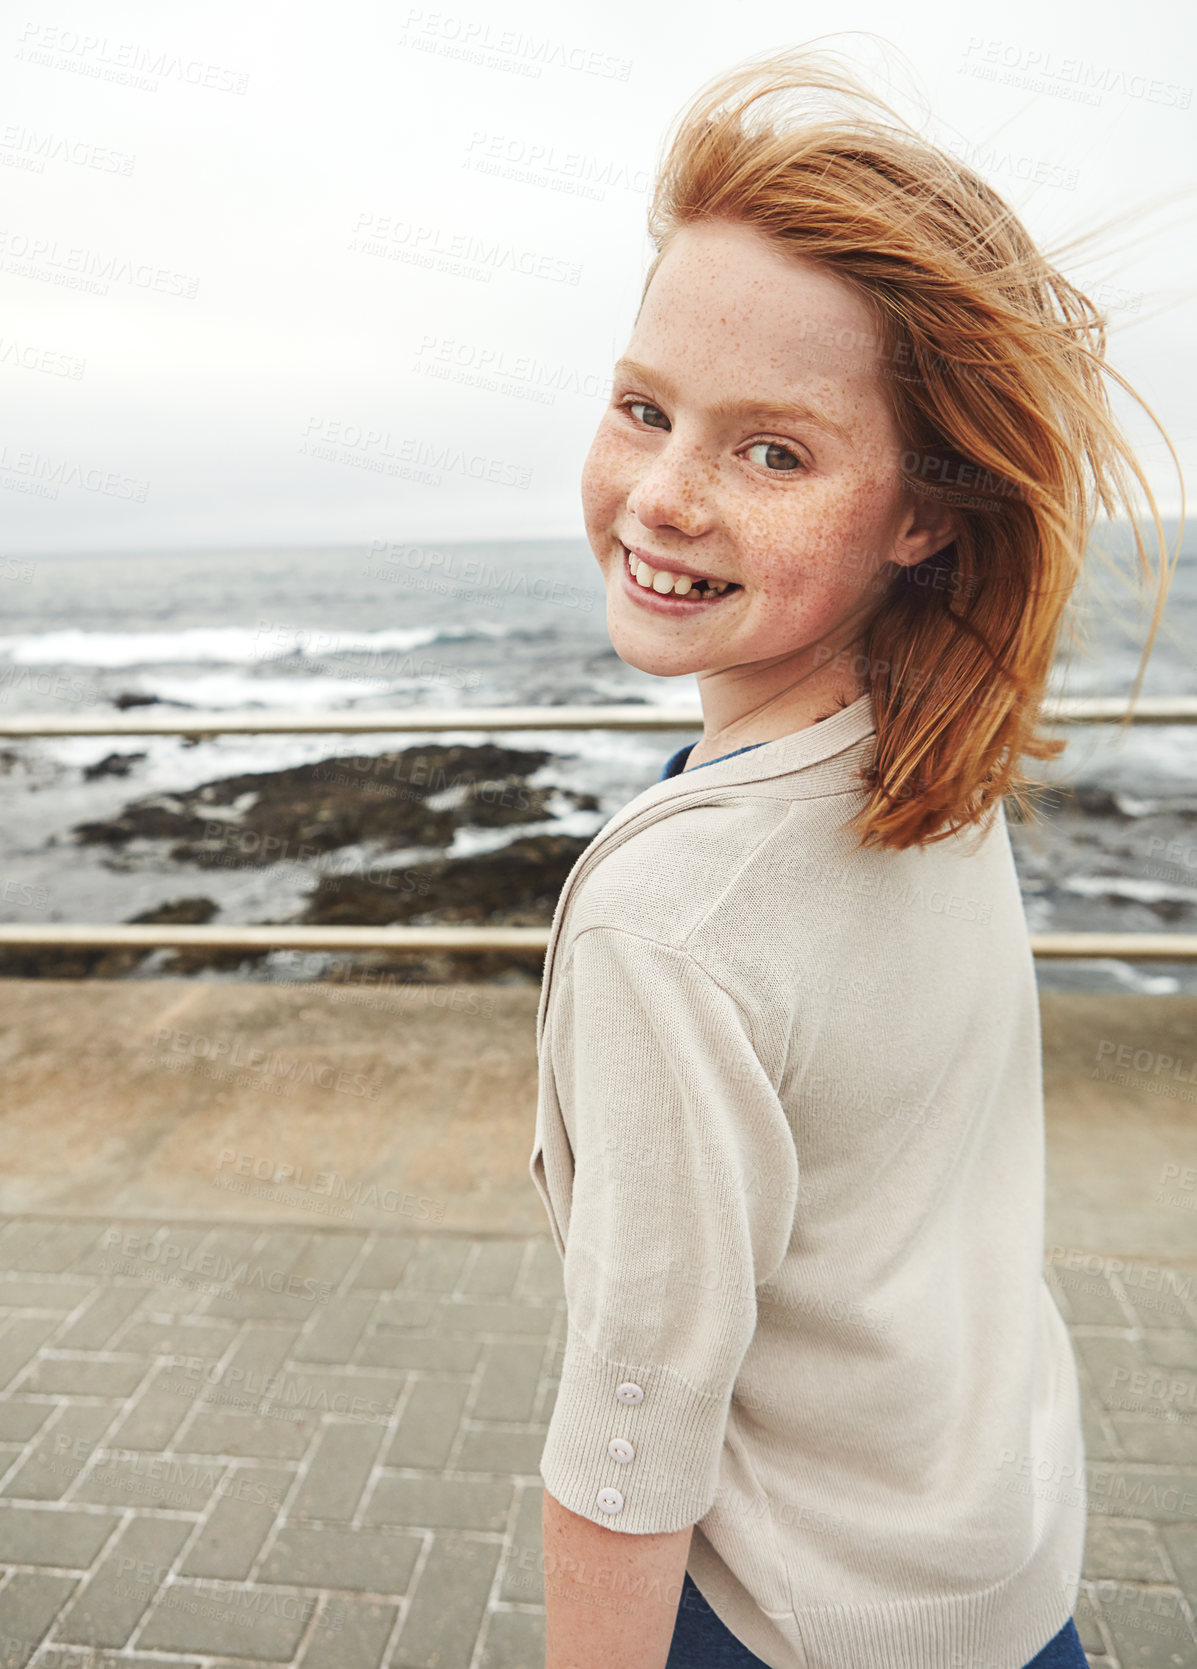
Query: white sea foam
[231,645]
[1119,886]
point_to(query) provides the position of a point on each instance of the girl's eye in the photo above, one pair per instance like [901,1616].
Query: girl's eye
[643,405]
[782,461]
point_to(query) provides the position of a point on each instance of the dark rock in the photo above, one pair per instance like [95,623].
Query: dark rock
[417,797]
[179,912]
[112,765]
[516,886]
[307,810]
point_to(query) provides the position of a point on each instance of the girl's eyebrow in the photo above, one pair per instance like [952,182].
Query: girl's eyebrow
[760,410]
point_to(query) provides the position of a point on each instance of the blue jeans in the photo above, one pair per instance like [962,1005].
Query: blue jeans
[702,1641]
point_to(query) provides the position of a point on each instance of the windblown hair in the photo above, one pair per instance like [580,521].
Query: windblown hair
[994,364]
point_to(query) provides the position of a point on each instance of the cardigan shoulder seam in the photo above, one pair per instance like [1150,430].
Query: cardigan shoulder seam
[678,950]
[732,880]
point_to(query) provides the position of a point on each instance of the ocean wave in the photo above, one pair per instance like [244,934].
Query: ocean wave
[228,645]
[217,691]
[1132,887]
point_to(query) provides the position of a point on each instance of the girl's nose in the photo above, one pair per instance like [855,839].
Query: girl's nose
[671,493]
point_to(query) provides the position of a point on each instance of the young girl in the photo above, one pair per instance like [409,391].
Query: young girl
[817,1407]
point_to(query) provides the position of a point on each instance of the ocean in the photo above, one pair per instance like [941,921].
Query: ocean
[384,624]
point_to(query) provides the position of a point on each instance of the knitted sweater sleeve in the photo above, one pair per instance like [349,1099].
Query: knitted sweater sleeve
[684,1190]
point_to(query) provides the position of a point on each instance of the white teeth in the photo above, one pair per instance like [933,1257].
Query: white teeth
[664,582]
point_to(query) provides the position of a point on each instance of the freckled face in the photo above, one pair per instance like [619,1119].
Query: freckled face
[711,454]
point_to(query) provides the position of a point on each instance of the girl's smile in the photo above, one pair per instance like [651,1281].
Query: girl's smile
[671,590]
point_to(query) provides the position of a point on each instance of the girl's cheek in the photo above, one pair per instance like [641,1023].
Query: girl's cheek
[602,473]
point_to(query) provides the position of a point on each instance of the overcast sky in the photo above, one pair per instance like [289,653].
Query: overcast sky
[259,261]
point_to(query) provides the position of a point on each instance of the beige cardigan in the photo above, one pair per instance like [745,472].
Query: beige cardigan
[789,1138]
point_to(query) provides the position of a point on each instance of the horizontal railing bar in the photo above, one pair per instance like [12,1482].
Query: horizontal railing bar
[1180,709]
[1159,947]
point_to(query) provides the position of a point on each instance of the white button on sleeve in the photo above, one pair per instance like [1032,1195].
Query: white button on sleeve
[610,1500]
[621,1450]
[683,1192]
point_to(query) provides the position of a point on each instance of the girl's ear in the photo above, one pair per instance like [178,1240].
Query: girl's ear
[926,526]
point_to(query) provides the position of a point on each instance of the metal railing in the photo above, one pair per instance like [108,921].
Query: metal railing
[1179,947]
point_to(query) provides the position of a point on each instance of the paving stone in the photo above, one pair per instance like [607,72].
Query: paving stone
[1180,1542]
[439,1503]
[178,1336]
[1148,1627]
[242,1381]
[470,1317]
[166,1296]
[438,1264]
[234,1619]
[111,1248]
[408,1312]
[334,1334]
[494,1450]
[1112,1361]
[1100,1443]
[53,1656]
[54,1248]
[429,1423]
[22,1237]
[404,1350]
[1087,1627]
[1170,1442]
[107,1608]
[29,1603]
[158,1412]
[20,1418]
[42,1292]
[542,1278]
[65,1536]
[1092,1301]
[327,1258]
[280,1247]
[448,1604]
[514,1640]
[86,1376]
[1172,1347]
[353,1636]
[511,1371]
[373,1561]
[230,1243]
[61,1453]
[337,1476]
[263,1349]
[1162,1494]
[239,1524]
[253,1436]
[20,1340]
[385,1264]
[522,1580]
[94,1329]
[350,1394]
[260,1304]
[1125,1550]
[1158,1294]
[167,1482]
[494,1270]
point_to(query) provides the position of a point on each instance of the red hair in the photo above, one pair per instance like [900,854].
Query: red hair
[994,363]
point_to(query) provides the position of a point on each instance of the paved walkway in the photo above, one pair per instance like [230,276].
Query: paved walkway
[227,1445]
[299,1421]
